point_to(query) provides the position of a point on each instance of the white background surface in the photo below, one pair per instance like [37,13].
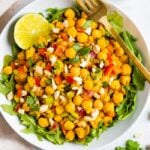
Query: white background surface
[139,11]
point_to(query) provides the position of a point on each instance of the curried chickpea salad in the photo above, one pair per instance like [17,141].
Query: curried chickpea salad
[73,84]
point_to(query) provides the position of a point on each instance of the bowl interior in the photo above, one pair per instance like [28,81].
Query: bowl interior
[112,133]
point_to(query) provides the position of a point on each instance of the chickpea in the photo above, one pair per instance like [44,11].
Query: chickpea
[7,70]
[81,22]
[84,73]
[49,90]
[98,104]
[68,125]
[31,81]
[30,52]
[102,55]
[115,85]
[106,98]
[21,55]
[75,71]
[70,53]
[71,22]
[39,92]
[70,107]
[43,81]
[119,51]
[43,122]
[124,58]
[94,25]
[58,118]
[72,32]
[80,132]
[90,40]
[96,34]
[102,43]
[87,105]
[125,80]
[59,109]
[69,13]
[88,84]
[77,100]
[107,120]
[117,98]
[50,114]
[27,87]
[60,25]
[101,27]
[105,78]
[108,107]
[126,69]
[84,15]
[82,38]
[87,129]
[70,135]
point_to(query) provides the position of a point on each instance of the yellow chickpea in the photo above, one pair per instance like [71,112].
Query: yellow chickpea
[94,25]
[102,29]
[70,135]
[58,118]
[70,107]
[98,104]
[21,55]
[84,73]
[124,58]
[125,80]
[105,78]
[126,69]
[43,81]
[88,84]
[43,122]
[91,39]
[81,22]
[115,85]
[70,53]
[80,132]
[71,22]
[75,71]
[27,87]
[31,81]
[7,70]
[69,13]
[117,98]
[107,120]
[77,100]
[68,125]
[59,109]
[102,55]
[106,98]
[30,52]
[60,25]
[49,90]
[82,38]
[102,43]
[87,105]
[108,107]
[72,32]
[96,34]
[119,51]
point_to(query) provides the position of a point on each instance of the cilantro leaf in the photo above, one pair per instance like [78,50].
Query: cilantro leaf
[8,108]
[7,60]
[84,51]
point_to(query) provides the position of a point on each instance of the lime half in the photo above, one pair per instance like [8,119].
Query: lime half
[29,28]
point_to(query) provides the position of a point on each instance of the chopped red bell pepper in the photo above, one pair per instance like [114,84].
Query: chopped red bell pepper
[70,79]
[42,52]
[59,51]
[58,79]
[48,67]
[19,92]
[80,30]
[81,113]
[21,69]
[54,45]
[37,81]
[108,70]
[64,36]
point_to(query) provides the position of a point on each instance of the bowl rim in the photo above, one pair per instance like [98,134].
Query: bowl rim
[148,95]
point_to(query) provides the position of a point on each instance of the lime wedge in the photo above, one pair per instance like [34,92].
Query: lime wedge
[29,28]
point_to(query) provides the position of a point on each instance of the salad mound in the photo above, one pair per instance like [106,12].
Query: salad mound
[74,84]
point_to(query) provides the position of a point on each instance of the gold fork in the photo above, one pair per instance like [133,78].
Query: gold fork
[97,11]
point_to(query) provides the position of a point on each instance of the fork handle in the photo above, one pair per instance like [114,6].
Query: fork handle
[134,59]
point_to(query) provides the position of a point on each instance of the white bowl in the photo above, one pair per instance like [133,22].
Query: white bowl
[112,133]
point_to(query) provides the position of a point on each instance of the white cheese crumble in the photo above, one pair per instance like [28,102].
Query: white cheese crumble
[66,24]
[102,91]
[51,121]
[50,49]
[95,113]
[101,65]
[22,100]
[80,90]
[97,96]
[39,70]
[66,68]
[83,63]
[93,69]
[43,108]
[111,79]
[10,95]
[47,73]
[62,98]
[23,93]
[96,49]
[21,111]
[53,59]
[55,30]
[56,95]
[71,39]
[88,30]
[78,80]
[44,96]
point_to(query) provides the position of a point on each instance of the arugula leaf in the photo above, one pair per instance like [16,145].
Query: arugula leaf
[30,100]
[116,20]
[77,46]
[15,49]
[74,60]
[84,51]
[8,108]
[130,145]
[87,24]
[55,14]
[3,89]
[7,60]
